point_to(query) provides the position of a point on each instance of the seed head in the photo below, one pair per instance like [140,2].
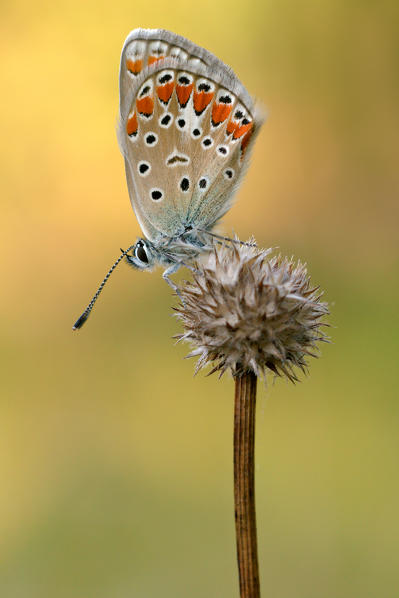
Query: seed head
[246,311]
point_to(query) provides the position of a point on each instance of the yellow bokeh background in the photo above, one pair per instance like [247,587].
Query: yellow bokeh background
[115,464]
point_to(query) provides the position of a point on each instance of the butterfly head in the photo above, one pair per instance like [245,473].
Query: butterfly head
[144,256]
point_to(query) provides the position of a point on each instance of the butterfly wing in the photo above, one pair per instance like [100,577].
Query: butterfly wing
[186,128]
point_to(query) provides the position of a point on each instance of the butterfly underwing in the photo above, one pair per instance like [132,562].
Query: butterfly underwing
[186,128]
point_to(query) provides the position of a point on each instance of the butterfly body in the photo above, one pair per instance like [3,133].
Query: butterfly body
[186,128]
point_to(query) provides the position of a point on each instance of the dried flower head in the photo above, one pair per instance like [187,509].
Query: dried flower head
[247,311]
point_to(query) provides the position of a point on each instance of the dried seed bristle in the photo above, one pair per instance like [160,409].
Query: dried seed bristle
[246,311]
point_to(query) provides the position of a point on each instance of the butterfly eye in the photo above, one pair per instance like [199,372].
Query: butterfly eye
[140,253]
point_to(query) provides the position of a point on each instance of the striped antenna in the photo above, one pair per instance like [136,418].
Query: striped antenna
[82,319]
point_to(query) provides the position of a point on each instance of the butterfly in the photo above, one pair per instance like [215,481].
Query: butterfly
[186,129]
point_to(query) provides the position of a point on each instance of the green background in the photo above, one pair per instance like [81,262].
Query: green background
[115,464]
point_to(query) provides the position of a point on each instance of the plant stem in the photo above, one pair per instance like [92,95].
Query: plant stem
[244,484]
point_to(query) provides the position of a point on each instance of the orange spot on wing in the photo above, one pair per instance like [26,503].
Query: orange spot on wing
[134,66]
[183,93]
[201,100]
[145,105]
[152,59]
[245,140]
[132,125]
[165,91]
[240,131]
[231,127]
[220,112]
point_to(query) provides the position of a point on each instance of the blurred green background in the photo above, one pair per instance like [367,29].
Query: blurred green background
[115,464]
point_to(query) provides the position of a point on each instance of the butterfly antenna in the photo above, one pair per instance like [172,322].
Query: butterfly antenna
[236,241]
[82,319]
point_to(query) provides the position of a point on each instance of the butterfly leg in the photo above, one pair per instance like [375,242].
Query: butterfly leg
[221,238]
[171,270]
[193,270]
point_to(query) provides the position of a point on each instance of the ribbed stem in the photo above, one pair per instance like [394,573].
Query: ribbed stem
[244,484]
